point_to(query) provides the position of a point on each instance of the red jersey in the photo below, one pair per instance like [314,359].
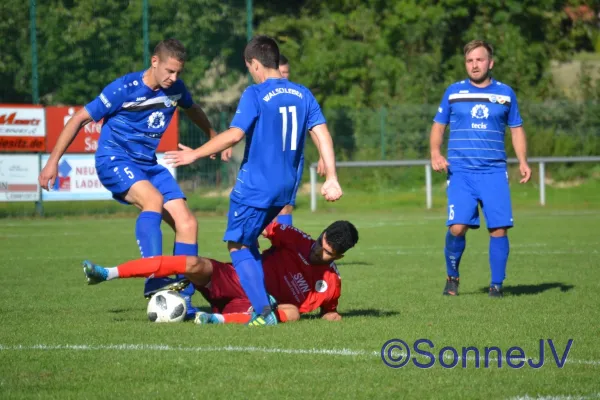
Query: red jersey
[290,277]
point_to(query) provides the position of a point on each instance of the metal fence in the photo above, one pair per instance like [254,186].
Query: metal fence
[541,161]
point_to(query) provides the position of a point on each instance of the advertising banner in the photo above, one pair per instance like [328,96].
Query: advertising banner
[86,140]
[22,128]
[18,177]
[77,179]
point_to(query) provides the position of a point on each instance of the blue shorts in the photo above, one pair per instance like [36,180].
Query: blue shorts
[466,191]
[246,223]
[298,182]
[119,174]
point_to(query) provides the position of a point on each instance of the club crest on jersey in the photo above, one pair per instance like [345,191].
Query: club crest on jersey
[480,111]
[156,120]
[493,98]
[321,286]
[171,101]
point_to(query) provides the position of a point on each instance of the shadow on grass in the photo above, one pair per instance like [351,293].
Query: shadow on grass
[342,264]
[521,290]
[368,312]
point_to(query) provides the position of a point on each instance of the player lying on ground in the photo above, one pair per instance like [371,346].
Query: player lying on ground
[300,274]
[274,116]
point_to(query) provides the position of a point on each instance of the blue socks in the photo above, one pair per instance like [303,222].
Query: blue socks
[285,219]
[148,233]
[499,249]
[453,251]
[248,266]
[185,249]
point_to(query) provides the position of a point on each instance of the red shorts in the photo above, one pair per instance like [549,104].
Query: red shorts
[224,292]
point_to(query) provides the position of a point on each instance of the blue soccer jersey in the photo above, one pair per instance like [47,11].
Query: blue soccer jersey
[135,116]
[478,118]
[275,116]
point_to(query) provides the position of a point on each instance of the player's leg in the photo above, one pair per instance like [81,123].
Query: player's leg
[462,214]
[285,215]
[244,225]
[198,270]
[226,296]
[497,208]
[236,311]
[178,215]
[130,185]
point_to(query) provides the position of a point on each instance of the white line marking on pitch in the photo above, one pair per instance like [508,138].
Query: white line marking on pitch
[559,397]
[159,347]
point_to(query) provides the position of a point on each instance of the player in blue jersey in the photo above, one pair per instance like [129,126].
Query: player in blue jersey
[136,109]
[285,216]
[274,116]
[478,111]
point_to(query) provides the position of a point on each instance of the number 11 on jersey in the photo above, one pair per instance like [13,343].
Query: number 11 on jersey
[284,111]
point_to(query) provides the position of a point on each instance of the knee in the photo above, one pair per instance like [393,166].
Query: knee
[193,265]
[187,225]
[498,232]
[153,202]
[458,230]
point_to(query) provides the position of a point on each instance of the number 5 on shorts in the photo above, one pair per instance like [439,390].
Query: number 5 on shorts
[128,172]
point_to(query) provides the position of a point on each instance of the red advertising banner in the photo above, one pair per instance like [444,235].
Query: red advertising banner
[22,128]
[86,140]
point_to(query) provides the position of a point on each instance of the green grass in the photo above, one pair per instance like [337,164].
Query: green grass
[583,195]
[392,284]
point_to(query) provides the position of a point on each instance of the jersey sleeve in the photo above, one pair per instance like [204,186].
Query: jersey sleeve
[186,100]
[443,112]
[315,115]
[108,102]
[331,304]
[286,235]
[514,116]
[247,111]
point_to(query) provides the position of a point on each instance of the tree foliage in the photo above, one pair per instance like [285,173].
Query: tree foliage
[361,58]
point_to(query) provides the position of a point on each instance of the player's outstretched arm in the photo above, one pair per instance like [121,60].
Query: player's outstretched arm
[436,138]
[321,164]
[215,145]
[331,189]
[48,174]
[199,118]
[519,142]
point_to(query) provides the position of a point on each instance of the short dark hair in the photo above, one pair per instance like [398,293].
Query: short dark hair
[473,44]
[341,236]
[170,48]
[264,50]
[283,60]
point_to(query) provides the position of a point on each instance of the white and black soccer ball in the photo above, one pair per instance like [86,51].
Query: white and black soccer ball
[166,306]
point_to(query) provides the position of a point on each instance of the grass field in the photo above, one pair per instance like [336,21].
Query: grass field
[60,338]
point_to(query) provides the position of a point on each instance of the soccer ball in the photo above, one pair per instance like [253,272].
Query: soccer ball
[166,306]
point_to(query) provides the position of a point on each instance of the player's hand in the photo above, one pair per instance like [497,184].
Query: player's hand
[331,190]
[184,156]
[332,316]
[439,163]
[227,154]
[48,176]
[525,172]
[321,167]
